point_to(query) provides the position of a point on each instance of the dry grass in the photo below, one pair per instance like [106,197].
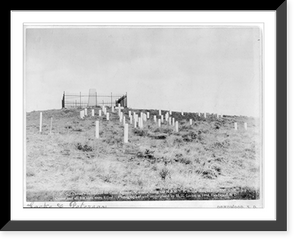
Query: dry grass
[207,156]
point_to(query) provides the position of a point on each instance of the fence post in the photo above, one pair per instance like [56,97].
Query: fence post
[63,101]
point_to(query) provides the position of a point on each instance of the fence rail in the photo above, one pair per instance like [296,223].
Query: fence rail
[71,100]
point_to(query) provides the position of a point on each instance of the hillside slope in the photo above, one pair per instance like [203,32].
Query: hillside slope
[208,156]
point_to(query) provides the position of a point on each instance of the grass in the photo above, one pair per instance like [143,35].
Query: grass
[209,156]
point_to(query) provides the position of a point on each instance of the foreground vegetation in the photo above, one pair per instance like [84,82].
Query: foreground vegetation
[208,156]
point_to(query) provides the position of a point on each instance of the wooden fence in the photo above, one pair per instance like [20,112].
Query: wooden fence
[71,100]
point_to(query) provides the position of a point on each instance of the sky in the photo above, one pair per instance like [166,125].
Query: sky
[214,69]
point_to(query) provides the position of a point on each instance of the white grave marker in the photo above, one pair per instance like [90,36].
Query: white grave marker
[162,118]
[245,126]
[204,115]
[170,121]
[142,122]
[97,129]
[85,112]
[235,125]
[154,118]
[107,116]
[100,112]
[159,123]
[176,126]
[41,121]
[159,112]
[191,121]
[130,119]
[93,112]
[126,133]
[148,115]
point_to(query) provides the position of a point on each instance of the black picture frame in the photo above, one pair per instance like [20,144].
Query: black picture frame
[280,224]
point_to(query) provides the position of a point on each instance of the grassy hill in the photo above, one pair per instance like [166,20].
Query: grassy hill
[208,157]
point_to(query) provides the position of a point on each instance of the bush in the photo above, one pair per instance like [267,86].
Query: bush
[140,132]
[146,154]
[209,174]
[84,148]
[164,173]
[190,136]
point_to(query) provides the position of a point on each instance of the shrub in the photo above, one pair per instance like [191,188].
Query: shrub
[178,140]
[167,130]
[84,148]
[190,136]
[209,174]
[164,173]
[216,168]
[140,132]
[186,161]
[146,154]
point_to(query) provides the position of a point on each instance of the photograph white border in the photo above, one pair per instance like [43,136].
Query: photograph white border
[19,18]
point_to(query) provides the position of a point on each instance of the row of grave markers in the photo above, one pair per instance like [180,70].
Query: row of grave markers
[133,118]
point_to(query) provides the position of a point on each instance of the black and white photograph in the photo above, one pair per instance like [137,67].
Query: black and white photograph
[143,115]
